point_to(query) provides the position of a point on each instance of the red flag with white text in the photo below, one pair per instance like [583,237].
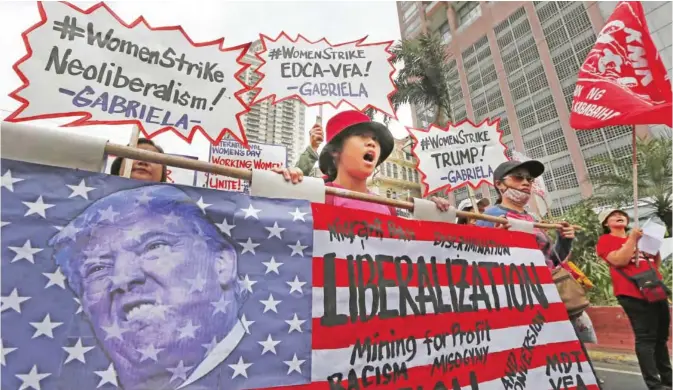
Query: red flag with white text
[623,80]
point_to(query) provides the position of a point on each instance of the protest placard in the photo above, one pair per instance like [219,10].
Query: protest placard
[357,73]
[175,175]
[254,293]
[231,154]
[457,155]
[91,65]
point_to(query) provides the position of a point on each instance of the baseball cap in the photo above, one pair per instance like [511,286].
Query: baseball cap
[534,167]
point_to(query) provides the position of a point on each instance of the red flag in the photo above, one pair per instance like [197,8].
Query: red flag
[623,80]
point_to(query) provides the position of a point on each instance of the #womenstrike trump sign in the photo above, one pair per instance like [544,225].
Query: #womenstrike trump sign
[115,283]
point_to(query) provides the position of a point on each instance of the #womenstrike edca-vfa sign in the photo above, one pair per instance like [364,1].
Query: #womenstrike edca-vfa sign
[91,65]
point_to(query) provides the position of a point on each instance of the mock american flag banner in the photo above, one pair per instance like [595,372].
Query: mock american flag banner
[403,304]
[111,283]
[115,283]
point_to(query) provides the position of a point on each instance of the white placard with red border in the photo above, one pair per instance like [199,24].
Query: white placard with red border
[319,72]
[457,155]
[231,154]
[90,65]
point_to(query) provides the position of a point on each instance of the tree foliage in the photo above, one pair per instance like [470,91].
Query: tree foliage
[424,80]
[655,188]
[584,252]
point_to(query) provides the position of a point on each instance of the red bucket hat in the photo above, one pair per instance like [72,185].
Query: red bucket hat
[345,123]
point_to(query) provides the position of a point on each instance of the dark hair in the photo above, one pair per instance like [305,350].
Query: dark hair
[332,148]
[117,163]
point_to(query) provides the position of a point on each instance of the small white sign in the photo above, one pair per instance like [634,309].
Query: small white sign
[458,155]
[653,237]
[231,154]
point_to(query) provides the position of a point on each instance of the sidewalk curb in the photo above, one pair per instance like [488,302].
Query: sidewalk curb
[613,357]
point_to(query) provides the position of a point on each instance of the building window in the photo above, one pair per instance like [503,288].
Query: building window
[395,171]
[388,169]
[468,14]
[445,33]
[412,28]
[409,13]
[404,174]
[416,176]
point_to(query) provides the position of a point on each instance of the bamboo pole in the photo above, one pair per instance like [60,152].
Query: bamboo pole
[245,174]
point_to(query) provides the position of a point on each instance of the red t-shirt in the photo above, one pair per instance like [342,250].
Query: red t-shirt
[621,285]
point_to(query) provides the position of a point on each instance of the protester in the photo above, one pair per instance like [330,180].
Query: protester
[514,181]
[355,147]
[143,170]
[466,205]
[649,314]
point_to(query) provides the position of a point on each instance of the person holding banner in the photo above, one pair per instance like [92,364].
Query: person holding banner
[514,182]
[143,170]
[637,284]
[355,146]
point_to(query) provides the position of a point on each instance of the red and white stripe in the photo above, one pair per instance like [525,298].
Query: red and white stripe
[332,346]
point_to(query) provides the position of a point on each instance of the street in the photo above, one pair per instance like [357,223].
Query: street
[619,376]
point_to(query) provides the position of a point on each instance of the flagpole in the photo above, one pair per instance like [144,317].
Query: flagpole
[634,157]
[246,174]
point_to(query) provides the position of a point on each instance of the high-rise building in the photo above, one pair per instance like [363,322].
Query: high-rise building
[397,177]
[279,124]
[518,61]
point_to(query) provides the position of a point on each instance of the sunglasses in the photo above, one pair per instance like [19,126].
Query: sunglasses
[519,178]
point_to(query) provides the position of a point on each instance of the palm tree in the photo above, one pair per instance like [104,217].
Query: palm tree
[655,188]
[423,81]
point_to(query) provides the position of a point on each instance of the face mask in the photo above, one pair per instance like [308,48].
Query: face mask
[516,196]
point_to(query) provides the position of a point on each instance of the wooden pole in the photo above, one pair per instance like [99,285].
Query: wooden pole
[634,157]
[473,198]
[127,165]
[245,174]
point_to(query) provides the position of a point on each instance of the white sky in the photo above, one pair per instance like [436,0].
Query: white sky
[237,22]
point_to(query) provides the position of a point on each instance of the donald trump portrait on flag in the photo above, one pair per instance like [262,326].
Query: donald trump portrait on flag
[156,279]
[110,283]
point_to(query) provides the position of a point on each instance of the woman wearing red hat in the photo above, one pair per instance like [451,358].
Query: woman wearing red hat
[355,147]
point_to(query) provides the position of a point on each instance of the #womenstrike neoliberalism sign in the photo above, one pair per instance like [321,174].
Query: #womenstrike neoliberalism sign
[111,282]
[90,64]
[457,155]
